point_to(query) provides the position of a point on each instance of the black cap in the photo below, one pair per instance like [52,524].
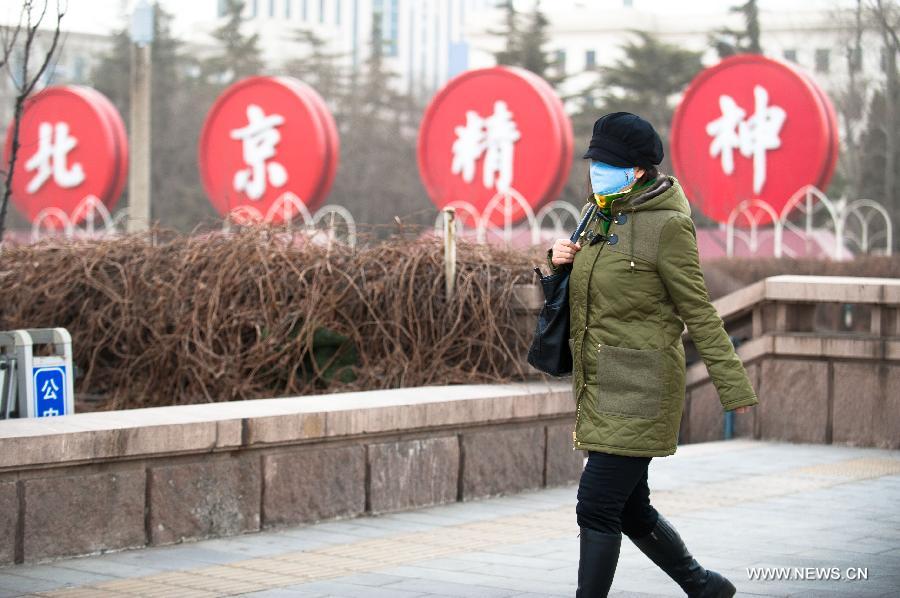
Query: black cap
[624,139]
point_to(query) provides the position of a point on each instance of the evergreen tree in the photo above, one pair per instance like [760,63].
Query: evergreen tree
[877,159]
[534,57]
[318,67]
[178,199]
[728,42]
[511,33]
[240,54]
[645,81]
[112,75]
[880,144]
[372,93]
[874,143]
[378,145]
[525,44]
[849,96]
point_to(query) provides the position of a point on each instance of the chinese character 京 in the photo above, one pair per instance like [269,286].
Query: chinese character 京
[753,136]
[259,139]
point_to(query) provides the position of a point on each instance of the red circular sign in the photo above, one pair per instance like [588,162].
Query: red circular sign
[72,146]
[752,128]
[268,141]
[121,141]
[492,132]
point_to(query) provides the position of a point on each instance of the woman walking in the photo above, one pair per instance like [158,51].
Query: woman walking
[635,281]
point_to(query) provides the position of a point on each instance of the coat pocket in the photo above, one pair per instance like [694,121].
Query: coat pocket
[631,381]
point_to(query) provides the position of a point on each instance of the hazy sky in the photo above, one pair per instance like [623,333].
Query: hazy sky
[103,16]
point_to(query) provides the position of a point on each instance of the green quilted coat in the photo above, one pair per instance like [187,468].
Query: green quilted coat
[629,303]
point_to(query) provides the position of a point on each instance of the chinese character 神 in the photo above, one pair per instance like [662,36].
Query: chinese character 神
[54,145]
[259,139]
[494,137]
[49,390]
[753,137]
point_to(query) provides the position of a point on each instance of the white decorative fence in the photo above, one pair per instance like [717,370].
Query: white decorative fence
[92,219]
[851,222]
[296,218]
[862,225]
[506,204]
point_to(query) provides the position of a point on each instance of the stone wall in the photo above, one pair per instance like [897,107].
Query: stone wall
[825,399]
[95,482]
[819,379]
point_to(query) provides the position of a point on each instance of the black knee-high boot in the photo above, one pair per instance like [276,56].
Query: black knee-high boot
[597,563]
[665,548]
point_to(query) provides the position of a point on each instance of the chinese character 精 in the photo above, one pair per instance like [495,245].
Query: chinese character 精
[753,137]
[54,145]
[494,137]
[259,139]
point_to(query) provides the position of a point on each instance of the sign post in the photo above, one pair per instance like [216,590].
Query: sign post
[449,251]
[139,212]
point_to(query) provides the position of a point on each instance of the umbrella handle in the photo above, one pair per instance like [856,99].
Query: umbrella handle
[575,235]
[583,224]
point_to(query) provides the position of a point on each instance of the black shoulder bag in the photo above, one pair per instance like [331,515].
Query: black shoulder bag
[549,351]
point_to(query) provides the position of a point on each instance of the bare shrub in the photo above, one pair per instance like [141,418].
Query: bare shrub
[167,319]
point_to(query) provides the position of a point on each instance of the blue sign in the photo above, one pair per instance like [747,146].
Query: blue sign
[49,391]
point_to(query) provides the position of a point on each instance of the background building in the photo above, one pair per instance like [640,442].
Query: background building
[585,36]
[78,54]
[424,40]
[427,42]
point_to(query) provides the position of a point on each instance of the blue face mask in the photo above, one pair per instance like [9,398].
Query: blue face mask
[606,179]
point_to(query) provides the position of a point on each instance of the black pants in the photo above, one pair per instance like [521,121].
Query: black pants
[613,495]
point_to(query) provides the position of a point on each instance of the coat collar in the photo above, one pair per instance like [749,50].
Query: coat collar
[662,184]
[664,194]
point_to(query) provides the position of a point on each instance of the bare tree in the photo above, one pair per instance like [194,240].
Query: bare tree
[20,40]
[851,96]
[886,14]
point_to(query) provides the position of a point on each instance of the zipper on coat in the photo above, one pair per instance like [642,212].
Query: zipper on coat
[578,400]
[575,430]
[584,384]
[631,240]
[586,311]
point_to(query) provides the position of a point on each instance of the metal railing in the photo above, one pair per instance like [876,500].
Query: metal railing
[92,219]
[851,222]
[863,224]
[562,215]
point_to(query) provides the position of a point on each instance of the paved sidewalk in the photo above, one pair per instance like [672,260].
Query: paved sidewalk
[737,504]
